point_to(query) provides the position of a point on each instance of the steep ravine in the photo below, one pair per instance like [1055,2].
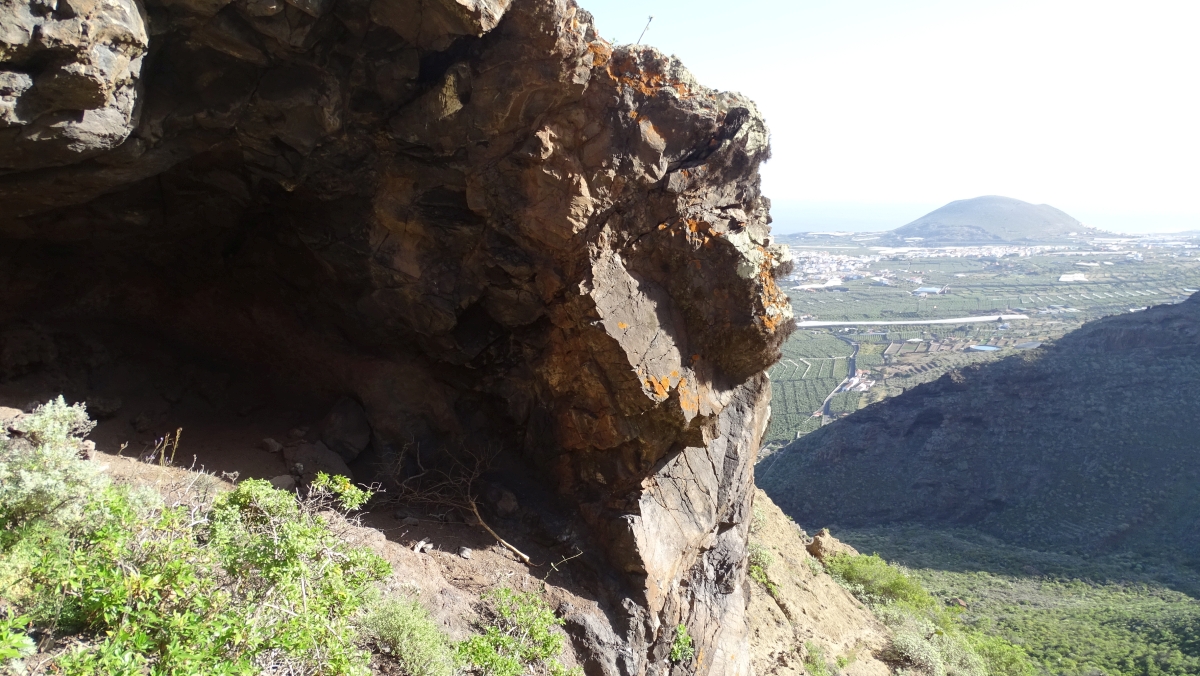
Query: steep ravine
[477,219]
[1086,446]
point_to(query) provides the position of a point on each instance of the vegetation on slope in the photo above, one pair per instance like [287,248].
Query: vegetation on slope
[121,579]
[205,583]
[929,636]
[1117,615]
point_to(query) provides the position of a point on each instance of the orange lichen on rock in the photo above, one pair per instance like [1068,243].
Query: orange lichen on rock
[771,297]
[659,387]
[601,53]
[626,70]
[689,401]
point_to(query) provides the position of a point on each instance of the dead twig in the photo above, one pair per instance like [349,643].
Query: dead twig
[453,487]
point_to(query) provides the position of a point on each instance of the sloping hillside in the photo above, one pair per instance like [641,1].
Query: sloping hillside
[1089,444]
[805,613]
[987,220]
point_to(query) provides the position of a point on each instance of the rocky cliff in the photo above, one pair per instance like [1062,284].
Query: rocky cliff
[476,218]
[1087,445]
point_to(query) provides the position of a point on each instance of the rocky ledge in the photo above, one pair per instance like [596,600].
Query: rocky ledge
[476,219]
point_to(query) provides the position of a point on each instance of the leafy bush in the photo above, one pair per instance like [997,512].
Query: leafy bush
[876,581]
[339,491]
[925,634]
[682,649]
[814,660]
[41,476]
[758,521]
[14,642]
[404,629]
[760,560]
[919,641]
[519,639]
[1002,658]
[250,581]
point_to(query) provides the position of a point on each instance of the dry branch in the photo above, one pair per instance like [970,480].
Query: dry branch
[454,487]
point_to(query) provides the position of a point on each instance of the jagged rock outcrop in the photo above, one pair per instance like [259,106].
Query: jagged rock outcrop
[1085,445]
[476,218]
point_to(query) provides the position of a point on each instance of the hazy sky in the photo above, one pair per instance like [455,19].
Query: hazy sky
[883,110]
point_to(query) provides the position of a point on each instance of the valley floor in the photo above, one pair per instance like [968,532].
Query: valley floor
[1075,615]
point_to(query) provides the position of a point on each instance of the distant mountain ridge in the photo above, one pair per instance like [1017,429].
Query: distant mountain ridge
[1087,445]
[990,219]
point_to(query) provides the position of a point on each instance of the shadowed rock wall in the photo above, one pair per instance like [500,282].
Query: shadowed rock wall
[477,218]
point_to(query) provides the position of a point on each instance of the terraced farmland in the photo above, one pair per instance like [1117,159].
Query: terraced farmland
[815,361]
[813,364]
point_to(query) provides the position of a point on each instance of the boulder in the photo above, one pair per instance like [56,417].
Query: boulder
[824,545]
[346,430]
[306,460]
[284,482]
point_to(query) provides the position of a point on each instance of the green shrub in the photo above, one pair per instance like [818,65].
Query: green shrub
[925,634]
[404,629]
[14,643]
[1002,658]
[814,565]
[760,560]
[682,649]
[520,638]
[814,660]
[938,649]
[876,581]
[250,581]
[758,521]
[41,475]
[338,491]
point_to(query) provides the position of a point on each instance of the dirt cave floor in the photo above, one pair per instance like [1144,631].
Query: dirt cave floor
[140,391]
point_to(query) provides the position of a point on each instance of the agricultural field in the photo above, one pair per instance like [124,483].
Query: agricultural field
[847,279]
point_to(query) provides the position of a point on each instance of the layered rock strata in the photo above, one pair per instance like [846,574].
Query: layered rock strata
[478,219]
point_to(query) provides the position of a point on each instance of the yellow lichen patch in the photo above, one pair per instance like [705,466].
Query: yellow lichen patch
[687,400]
[622,325]
[662,226]
[674,374]
[692,224]
[660,387]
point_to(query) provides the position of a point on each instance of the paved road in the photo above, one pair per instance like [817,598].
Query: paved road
[956,320]
[849,374]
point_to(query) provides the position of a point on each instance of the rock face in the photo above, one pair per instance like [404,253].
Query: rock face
[1084,445]
[476,218]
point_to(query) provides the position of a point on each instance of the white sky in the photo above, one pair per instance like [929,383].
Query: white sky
[883,110]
